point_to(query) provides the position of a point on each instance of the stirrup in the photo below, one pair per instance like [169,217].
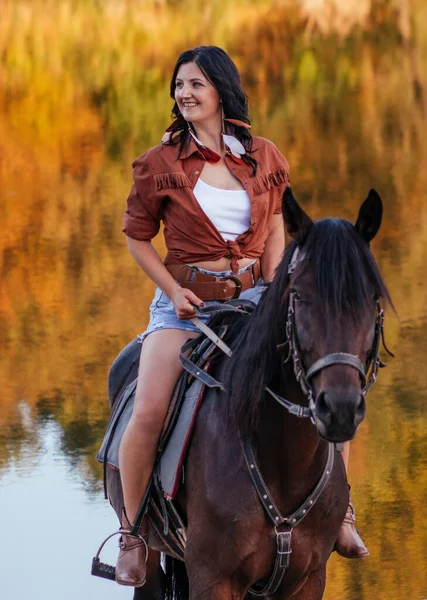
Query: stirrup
[100,569]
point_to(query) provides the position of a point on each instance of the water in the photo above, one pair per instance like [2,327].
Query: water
[75,109]
[51,523]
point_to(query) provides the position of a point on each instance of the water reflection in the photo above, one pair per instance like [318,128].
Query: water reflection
[51,519]
[77,105]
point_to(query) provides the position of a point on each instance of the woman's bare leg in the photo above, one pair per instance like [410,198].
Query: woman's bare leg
[159,369]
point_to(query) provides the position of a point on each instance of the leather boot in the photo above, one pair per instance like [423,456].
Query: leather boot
[131,566]
[349,543]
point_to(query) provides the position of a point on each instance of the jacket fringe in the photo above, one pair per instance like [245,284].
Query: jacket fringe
[171,180]
[266,182]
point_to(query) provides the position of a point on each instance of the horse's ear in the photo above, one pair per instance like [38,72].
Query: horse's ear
[297,222]
[370,215]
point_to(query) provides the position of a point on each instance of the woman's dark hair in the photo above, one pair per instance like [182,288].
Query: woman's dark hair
[221,71]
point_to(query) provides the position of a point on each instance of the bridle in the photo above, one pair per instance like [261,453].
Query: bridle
[368,373]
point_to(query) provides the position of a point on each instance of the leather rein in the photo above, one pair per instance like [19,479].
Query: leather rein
[368,373]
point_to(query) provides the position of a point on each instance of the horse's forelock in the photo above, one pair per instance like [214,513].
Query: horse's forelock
[346,273]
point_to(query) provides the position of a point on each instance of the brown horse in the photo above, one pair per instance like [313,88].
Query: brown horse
[321,308]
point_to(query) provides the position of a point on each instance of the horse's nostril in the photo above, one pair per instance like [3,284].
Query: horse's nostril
[360,409]
[323,411]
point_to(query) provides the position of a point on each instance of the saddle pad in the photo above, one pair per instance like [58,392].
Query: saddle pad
[173,455]
[120,417]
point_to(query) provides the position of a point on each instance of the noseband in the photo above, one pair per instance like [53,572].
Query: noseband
[368,373]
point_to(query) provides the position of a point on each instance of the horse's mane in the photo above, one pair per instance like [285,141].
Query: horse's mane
[346,276]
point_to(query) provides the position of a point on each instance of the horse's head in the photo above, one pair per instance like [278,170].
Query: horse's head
[334,289]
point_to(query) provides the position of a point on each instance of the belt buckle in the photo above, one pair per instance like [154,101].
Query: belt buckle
[238,283]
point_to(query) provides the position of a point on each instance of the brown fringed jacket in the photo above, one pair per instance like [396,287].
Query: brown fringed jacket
[163,191]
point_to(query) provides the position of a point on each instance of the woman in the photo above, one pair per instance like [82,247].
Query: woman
[218,191]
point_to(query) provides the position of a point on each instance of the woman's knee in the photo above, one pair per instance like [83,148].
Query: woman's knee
[152,396]
[154,391]
[148,418]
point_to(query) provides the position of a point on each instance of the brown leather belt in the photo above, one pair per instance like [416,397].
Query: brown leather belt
[210,287]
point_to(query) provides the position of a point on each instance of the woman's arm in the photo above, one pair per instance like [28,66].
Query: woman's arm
[150,262]
[274,247]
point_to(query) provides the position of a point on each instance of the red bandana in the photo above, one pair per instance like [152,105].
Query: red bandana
[209,154]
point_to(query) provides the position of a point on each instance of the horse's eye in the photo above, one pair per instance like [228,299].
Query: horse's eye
[296,295]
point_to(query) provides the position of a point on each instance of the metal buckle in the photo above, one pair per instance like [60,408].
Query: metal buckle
[288,535]
[284,555]
[300,412]
[238,283]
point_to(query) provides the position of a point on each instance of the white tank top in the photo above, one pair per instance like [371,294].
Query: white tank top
[229,210]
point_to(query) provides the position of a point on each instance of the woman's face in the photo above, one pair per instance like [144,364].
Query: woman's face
[196,97]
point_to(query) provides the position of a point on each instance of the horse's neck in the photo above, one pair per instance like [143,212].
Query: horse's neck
[290,453]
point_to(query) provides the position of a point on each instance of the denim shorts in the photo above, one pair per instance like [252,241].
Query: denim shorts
[162,310]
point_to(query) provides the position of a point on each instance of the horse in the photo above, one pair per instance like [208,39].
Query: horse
[311,339]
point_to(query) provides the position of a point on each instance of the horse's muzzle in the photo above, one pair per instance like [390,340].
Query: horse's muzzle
[339,412]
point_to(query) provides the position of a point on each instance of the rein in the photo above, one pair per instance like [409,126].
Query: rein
[373,364]
[283,526]
[368,373]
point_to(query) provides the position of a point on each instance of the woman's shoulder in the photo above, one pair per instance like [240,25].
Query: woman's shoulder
[261,143]
[266,152]
[156,159]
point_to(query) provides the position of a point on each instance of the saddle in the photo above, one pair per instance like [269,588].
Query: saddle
[179,425]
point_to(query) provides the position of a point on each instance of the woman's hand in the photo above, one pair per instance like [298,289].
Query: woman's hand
[183,299]
[151,263]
